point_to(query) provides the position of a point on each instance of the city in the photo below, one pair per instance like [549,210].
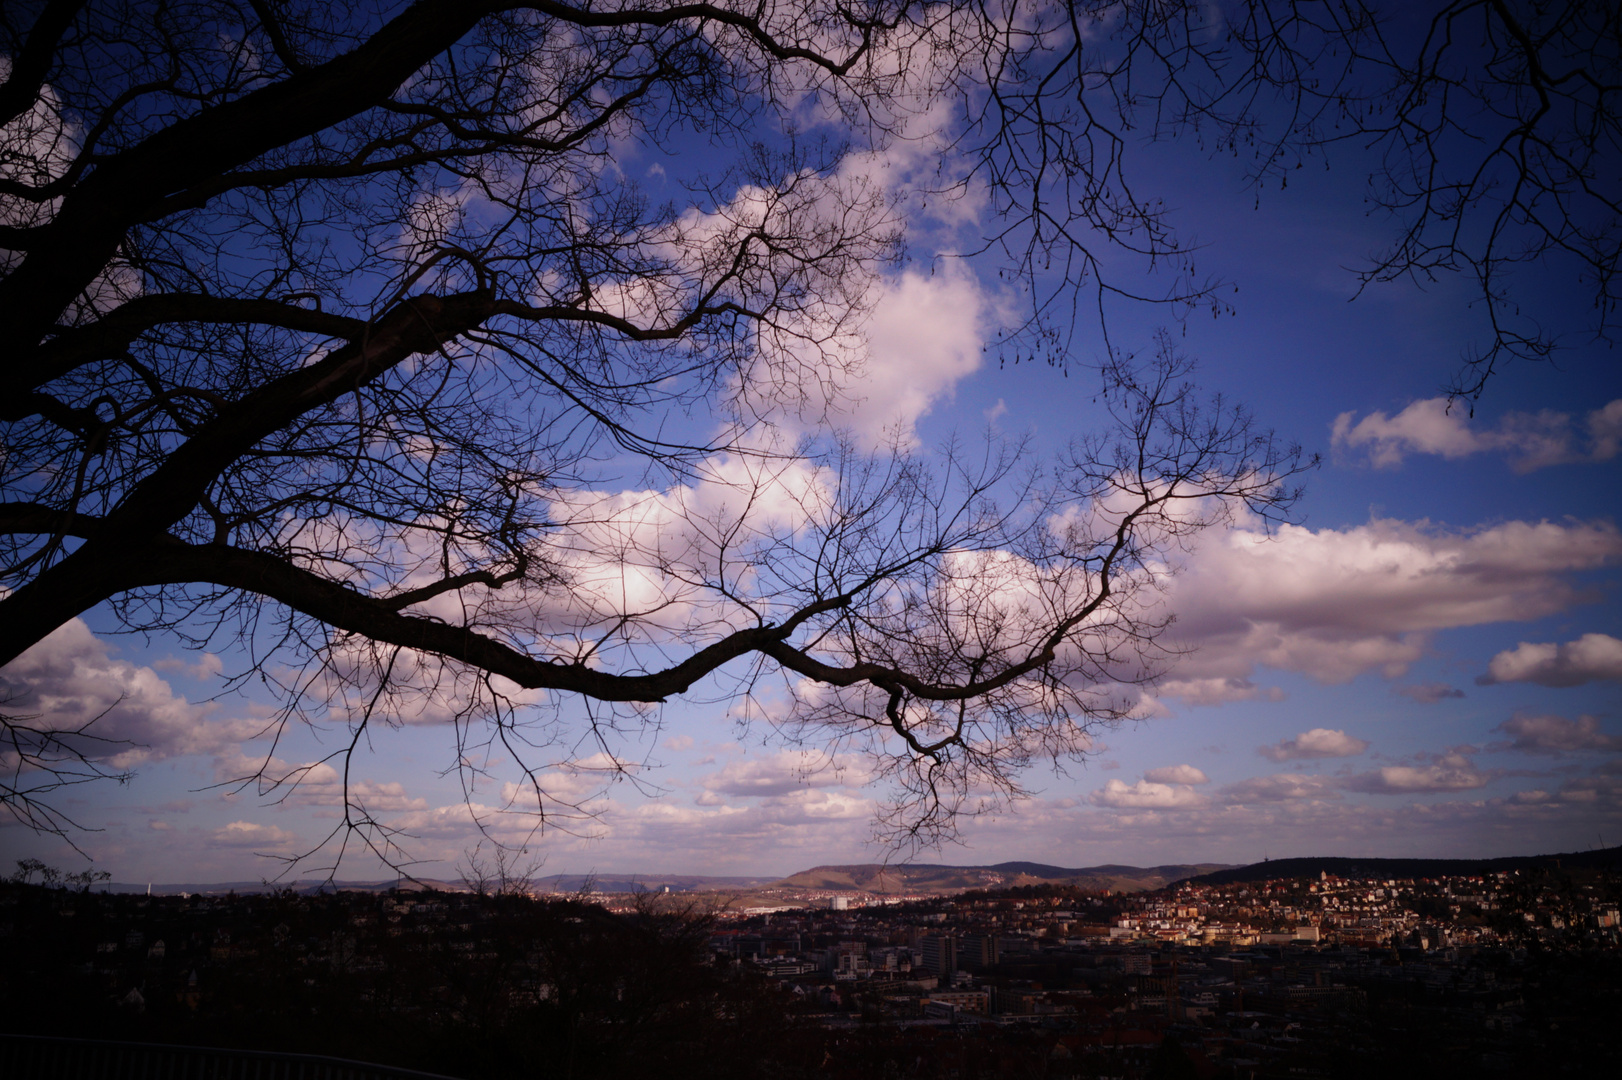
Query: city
[1318,976]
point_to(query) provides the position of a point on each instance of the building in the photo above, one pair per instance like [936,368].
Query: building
[978,951]
[939,954]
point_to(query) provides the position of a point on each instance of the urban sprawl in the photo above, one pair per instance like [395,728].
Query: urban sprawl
[1323,976]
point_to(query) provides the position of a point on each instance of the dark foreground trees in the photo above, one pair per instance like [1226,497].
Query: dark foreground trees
[488,987]
[342,335]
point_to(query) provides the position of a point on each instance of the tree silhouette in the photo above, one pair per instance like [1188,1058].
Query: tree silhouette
[324,331]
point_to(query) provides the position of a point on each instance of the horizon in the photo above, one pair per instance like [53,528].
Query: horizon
[658,875]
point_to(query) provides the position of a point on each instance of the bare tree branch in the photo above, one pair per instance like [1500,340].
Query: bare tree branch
[355,310]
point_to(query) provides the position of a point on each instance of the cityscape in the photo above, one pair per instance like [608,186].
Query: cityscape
[1262,971]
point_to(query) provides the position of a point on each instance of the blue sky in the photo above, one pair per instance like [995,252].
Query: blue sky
[1426,662]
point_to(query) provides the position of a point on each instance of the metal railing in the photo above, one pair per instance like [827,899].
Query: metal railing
[38,1057]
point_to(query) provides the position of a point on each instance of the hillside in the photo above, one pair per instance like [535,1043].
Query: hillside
[633,883]
[1277,869]
[915,879]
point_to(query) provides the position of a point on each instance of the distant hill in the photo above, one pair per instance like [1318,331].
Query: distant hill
[1278,869]
[630,883]
[915,879]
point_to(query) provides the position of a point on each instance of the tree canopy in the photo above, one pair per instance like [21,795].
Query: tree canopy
[328,330]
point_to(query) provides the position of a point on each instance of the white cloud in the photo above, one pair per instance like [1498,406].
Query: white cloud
[207,666]
[824,824]
[640,552]
[70,679]
[1329,603]
[1443,427]
[1535,734]
[1449,772]
[1335,603]
[1605,429]
[252,835]
[923,338]
[272,772]
[1146,795]
[623,569]
[783,773]
[313,783]
[848,345]
[1177,774]
[373,796]
[1433,426]
[1317,743]
[1598,790]
[570,790]
[1279,787]
[717,832]
[1215,691]
[918,334]
[464,823]
[1590,658]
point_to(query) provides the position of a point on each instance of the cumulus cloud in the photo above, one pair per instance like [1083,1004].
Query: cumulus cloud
[825,824]
[311,783]
[71,679]
[1216,691]
[1330,603]
[1595,790]
[1279,787]
[1336,603]
[1449,772]
[464,822]
[633,566]
[1428,693]
[1444,428]
[570,790]
[923,332]
[374,796]
[1534,734]
[1605,429]
[1591,658]
[780,774]
[642,553]
[1317,743]
[206,667]
[272,772]
[716,831]
[923,338]
[1146,795]
[248,834]
[1177,774]
[854,346]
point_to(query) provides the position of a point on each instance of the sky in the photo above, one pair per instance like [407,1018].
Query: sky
[1426,661]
